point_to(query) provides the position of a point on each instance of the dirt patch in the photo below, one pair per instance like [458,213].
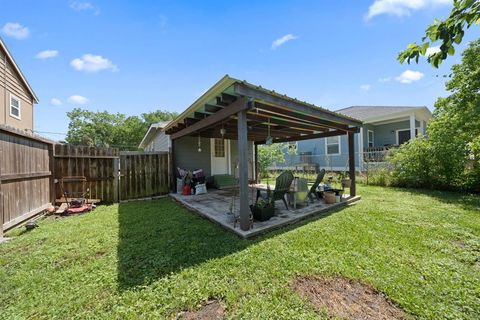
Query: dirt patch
[212,310]
[346,299]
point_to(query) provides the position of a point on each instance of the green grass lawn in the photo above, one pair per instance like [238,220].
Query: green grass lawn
[152,259]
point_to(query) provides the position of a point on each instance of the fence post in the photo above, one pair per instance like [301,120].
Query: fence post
[1,209]
[51,163]
[116,180]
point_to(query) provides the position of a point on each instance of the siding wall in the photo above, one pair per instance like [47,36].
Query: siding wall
[161,142]
[187,156]
[384,135]
[317,148]
[15,86]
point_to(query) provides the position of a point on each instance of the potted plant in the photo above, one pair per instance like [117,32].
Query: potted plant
[262,210]
[344,178]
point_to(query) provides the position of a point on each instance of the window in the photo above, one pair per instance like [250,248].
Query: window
[219,148]
[333,145]
[306,157]
[15,107]
[370,138]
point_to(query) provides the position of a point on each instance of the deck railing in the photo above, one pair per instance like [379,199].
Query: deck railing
[377,154]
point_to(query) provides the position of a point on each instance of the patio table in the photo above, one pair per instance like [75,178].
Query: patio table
[259,187]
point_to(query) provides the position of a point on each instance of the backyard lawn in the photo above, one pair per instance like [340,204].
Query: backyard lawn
[153,259]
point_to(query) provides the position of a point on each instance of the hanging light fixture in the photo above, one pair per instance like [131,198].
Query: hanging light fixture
[223,131]
[199,144]
[269,140]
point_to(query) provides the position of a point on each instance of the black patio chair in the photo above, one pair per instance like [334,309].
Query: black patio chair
[282,186]
[313,189]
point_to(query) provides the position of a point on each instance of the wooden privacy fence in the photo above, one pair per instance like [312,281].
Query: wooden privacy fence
[25,176]
[143,174]
[112,175]
[31,169]
[98,165]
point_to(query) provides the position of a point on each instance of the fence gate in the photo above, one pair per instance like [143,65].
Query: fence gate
[143,174]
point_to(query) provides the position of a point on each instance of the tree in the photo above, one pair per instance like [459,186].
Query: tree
[449,32]
[275,153]
[104,129]
[451,155]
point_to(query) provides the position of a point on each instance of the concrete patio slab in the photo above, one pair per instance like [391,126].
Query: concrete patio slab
[215,206]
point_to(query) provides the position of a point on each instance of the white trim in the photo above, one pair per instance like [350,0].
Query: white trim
[17,68]
[339,146]
[422,128]
[19,117]
[360,148]
[368,138]
[406,129]
[228,155]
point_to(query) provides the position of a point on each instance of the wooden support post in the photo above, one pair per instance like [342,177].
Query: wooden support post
[257,174]
[351,163]
[173,178]
[243,169]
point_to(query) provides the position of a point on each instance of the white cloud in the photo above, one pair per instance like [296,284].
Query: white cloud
[432,50]
[386,79]
[365,87]
[55,102]
[46,54]
[16,30]
[92,63]
[281,41]
[76,99]
[401,8]
[409,76]
[84,6]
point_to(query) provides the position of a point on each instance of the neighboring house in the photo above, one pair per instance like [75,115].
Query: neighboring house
[155,139]
[16,96]
[383,127]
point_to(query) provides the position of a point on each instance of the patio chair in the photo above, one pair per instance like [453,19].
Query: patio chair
[282,187]
[313,189]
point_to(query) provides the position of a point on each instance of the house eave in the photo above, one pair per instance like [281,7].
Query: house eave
[17,68]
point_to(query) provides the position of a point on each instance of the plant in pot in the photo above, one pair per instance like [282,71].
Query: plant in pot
[345,178]
[263,209]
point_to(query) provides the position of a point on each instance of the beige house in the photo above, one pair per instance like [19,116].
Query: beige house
[16,96]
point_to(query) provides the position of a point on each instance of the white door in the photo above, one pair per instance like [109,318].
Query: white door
[220,155]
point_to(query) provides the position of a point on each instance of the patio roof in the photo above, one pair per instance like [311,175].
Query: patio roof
[238,110]
[268,113]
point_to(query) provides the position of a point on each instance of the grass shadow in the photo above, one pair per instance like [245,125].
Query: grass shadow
[160,237]
[466,201]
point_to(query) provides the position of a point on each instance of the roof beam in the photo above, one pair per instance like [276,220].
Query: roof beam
[223,114]
[294,105]
[269,110]
[308,136]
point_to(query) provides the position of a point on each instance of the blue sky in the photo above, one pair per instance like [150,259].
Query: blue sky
[139,56]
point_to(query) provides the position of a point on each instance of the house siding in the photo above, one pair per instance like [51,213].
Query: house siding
[11,83]
[318,149]
[187,157]
[386,134]
[161,142]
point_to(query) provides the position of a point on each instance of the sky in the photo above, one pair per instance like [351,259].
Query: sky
[139,56]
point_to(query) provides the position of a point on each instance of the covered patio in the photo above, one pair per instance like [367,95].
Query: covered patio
[237,110]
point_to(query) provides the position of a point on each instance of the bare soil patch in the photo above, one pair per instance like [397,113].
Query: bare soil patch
[346,298]
[212,310]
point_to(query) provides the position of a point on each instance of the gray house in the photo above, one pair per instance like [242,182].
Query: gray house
[383,127]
